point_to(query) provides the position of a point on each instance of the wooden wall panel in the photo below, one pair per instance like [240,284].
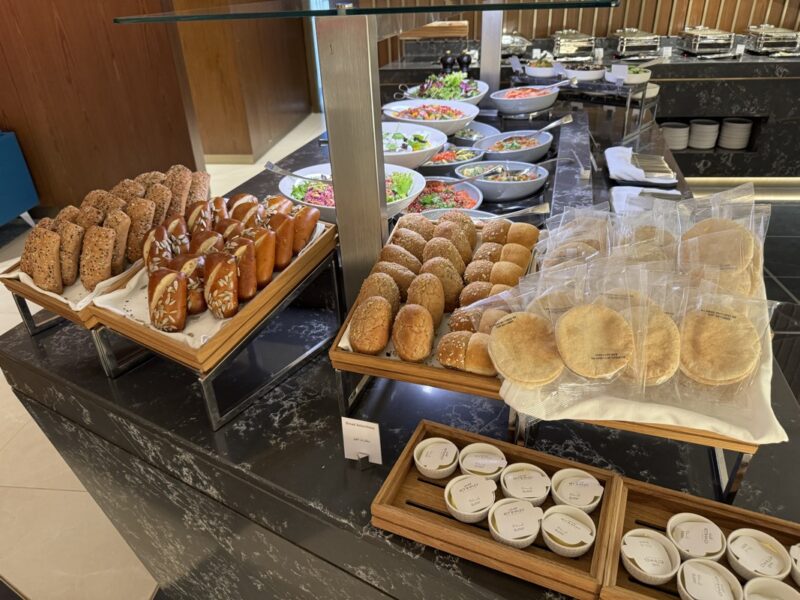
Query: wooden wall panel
[92,102]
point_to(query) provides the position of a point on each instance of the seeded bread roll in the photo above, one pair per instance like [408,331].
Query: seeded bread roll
[244,250]
[397,254]
[89,217]
[426,290]
[161,196]
[97,199]
[523,234]
[121,224]
[465,224]
[451,280]
[198,190]
[46,223]
[178,179]
[452,231]
[70,251]
[412,333]
[443,247]
[198,216]
[219,209]
[205,242]
[156,249]
[506,273]
[402,276]
[167,291]
[98,250]
[496,231]
[490,251]
[150,178]
[478,270]
[370,325]
[252,215]
[41,260]
[229,228]
[381,284]
[264,241]
[477,359]
[178,234]
[452,349]
[242,199]
[499,288]
[68,213]
[473,292]
[128,190]
[418,223]
[410,240]
[141,213]
[465,319]
[191,265]
[517,254]
[221,285]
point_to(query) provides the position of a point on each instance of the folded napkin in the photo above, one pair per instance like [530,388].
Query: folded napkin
[620,168]
[626,200]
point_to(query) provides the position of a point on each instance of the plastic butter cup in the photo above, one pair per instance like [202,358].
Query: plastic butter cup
[685,519]
[468,517]
[558,544]
[528,490]
[567,489]
[486,461]
[635,569]
[517,542]
[713,569]
[743,565]
[764,587]
[440,452]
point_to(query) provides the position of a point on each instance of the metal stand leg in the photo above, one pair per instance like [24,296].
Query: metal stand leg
[729,481]
[26,216]
[348,389]
[33,326]
[112,365]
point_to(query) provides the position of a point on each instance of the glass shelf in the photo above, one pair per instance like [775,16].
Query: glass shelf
[277,9]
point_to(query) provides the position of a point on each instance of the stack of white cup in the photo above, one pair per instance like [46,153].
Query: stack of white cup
[676,135]
[703,133]
[735,133]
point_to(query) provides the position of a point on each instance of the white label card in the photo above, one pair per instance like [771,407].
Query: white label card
[619,72]
[567,530]
[666,51]
[580,491]
[361,438]
[698,538]
[526,483]
[704,583]
[648,554]
[516,65]
[598,53]
[739,49]
[518,519]
[438,455]
[756,556]
[484,463]
[536,53]
[473,494]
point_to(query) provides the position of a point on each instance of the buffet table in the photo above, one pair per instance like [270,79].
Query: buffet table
[267,506]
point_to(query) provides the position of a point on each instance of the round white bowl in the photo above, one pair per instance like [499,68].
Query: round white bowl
[475,517]
[528,155]
[515,542]
[680,518]
[578,515]
[735,133]
[328,213]
[503,191]
[441,472]
[517,106]
[462,186]
[759,536]
[540,71]
[446,170]
[516,467]
[436,213]
[482,128]
[736,587]
[676,135]
[592,75]
[796,569]
[770,588]
[631,78]
[411,160]
[448,127]
[651,91]
[560,476]
[643,576]
[483,449]
[483,89]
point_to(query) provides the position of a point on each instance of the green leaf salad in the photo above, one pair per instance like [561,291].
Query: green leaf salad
[454,86]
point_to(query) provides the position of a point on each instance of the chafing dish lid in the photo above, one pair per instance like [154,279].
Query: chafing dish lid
[633,32]
[573,34]
[766,28]
[707,32]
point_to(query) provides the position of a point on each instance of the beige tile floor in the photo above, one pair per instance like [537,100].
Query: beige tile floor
[55,542]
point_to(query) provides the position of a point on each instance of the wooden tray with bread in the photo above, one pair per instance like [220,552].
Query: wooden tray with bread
[413,506]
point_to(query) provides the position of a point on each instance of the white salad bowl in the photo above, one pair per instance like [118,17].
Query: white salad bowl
[592,75]
[482,129]
[516,106]
[461,186]
[446,169]
[631,78]
[503,191]
[541,72]
[528,155]
[483,89]
[448,127]
[411,160]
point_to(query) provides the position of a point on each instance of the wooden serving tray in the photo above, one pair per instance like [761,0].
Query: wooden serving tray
[650,506]
[413,506]
[206,357]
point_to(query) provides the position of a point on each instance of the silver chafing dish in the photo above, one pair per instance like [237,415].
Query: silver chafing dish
[705,40]
[765,39]
[633,42]
[571,43]
[513,44]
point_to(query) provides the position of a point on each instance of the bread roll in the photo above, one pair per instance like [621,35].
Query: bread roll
[238,200]
[103,201]
[402,276]
[506,273]
[477,359]
[178,179]
[156,249]
[251,215]
[496,231]
[400,256]
[412,333]
[517,254]
[221,285]
[244,251]
[417,223]
[161,196]
[370,325]
[465,319]
[478,270]
[128,190]
[426,290]
[198,216]
[284,243]
[452,231]
[205,242]
[41,260]
[192,265]
[199,188]
[523,234]
[121,224]
[489,317]
[473,292]
[68,213]
[178,234]
[141,212]
[46,223]
[305,222]
[150,178]
[381,284]
[70,250]
[410,240]
[452,349]
[465,224]
[96,256]
[490,251]
[499,288]
[89,217]
[281,205]
[219,210]
[451,280]
[264,244]
[443,247]
[166,298]
[229,228]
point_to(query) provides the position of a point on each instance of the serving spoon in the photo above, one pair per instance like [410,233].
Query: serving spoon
[570,81]
[271,166]
[566,119]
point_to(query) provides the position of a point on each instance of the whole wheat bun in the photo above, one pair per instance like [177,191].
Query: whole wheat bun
[477,359]
[370,325]
[490,251]
[412,333]
[517,254]
[473,292]
[443,247]
[465,319]
[402,276]
[426,290]
[410,240]
[496,231]
[506,273]
[524,234]
[452,349]
[453,232]
[381,284]
[400,256]
[422,225]
[478,270]
[464,222]
[451,280]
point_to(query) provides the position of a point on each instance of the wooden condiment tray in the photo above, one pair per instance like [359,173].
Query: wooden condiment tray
[413,506]
[642,505]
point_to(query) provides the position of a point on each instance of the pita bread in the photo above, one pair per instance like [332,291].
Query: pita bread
[594,341]
[567,251]
[718,242]
[523,349]
[650,233]
[552,305]
[661,351]
[620,299]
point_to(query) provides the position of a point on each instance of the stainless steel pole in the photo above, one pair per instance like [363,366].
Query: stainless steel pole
[348,59]
[491,38]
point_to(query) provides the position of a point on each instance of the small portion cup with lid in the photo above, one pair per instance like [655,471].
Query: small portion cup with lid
[649,556]
[525,481]
[436,458]
[515,522]
[696,537]
[568,531]
[483,460]
[469,497]
[699,579]
[753,553]
[577,488]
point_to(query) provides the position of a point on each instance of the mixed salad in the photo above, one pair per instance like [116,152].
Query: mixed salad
[438,194]
[452,154]
[430,112]
[399,142]
[591,67]
[468,134]
[525,92]
[320,193]
[515,142]
[541,63]
[454,86]
[504,175]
